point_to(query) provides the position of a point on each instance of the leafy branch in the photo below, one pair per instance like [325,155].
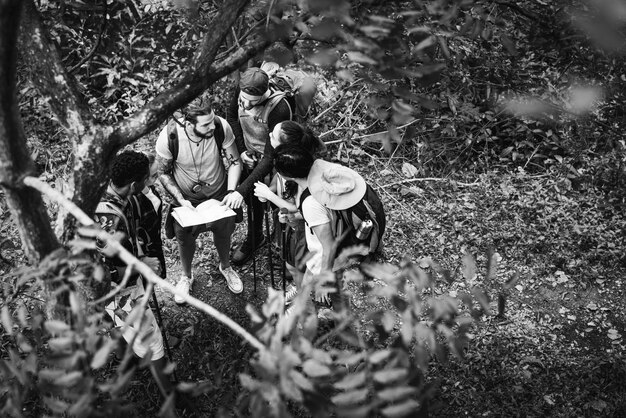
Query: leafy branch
[93,231]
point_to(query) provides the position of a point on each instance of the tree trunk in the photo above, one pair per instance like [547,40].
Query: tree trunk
[26,205]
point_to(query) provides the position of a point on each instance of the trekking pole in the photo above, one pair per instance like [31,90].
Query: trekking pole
[283,233]
[269,242]
[251,225]
[168,350]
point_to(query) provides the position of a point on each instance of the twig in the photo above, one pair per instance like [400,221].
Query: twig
[58,197]
[117,288]
[429,179]
[92,52]
[139,266]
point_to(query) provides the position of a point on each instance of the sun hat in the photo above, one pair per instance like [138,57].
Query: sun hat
[254,81]
[335,186]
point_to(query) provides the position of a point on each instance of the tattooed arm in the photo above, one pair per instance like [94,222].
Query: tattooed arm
[166,176]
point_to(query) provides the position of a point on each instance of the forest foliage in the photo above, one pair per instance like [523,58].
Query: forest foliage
[452,85]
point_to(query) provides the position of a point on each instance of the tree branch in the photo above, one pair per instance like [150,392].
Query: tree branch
[95,46]
[161,107]
[131,260]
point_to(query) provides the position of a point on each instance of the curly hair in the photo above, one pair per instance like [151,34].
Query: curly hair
[129,166]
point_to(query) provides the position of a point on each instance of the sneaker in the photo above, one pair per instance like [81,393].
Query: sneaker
[184,285]
[290,294]
[244,253]
[232,279]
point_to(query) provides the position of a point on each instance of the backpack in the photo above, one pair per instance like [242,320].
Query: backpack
[348,221]
[297,86]
[172,136]
[107,208]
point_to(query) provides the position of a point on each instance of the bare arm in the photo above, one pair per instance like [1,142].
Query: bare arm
[234,166]
[325,235]
[166,176]
[262,191]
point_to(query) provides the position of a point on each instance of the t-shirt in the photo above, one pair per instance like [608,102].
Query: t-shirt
[314,214]
[197,163]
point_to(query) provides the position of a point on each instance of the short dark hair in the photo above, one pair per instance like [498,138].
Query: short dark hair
[291,160]
[129,166]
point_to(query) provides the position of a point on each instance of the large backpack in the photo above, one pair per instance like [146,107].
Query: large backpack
[297,86]
[172,136]
[349,220]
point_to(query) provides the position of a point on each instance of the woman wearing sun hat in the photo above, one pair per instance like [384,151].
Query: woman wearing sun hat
[323,186]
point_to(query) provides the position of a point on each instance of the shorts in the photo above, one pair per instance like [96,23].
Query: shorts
[146,328]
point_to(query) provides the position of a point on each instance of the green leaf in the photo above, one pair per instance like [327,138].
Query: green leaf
[401,410]
[301,381]
[7,323]
[388,376]
[167,409]
[379,356]
[290,390]
[315,369]
[361,58]
[56,405]
[396,394]
[352,380]
[469,267]
[351,359]
[55,327]
[61,343]
[350,398]
[249,382]
[508,44]
[82,407]
[69,379]
[102,355]
[50,374]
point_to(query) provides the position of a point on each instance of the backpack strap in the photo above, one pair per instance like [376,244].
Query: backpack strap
[271,103]
[172,137]
[219,133]
[306,193]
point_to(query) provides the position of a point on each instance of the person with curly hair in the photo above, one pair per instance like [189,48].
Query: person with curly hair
[129,172]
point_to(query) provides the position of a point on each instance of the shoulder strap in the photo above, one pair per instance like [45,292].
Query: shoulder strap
[172,138]
[106,207]
[219,133]
[306,193]
[271,103]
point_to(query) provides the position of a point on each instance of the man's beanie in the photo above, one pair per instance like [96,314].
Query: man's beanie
[254,81]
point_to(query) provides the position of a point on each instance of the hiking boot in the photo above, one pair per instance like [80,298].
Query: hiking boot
[244,253]
[183,285]
[290,294]
[232,279]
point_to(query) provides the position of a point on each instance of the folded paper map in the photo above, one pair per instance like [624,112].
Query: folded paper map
[205,212]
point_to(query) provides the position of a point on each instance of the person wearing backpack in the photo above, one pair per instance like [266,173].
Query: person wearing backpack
[129,172]
[283,193]
[254,112]
[191,165]
[339,208]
